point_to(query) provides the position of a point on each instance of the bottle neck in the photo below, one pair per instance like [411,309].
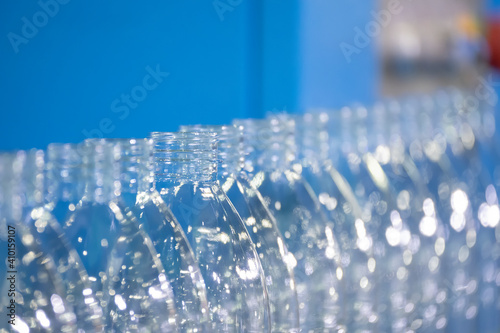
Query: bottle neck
[370,127]
[135,164]
[410,121]
[470,112]
[63,173]
[451,121]
[114,167]
[21,182]
[184,157]
[360,130]
[100,171]
[230,157]
[342,123]
[269,144]
[313,139]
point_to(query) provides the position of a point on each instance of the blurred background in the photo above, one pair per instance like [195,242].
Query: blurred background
[70,69]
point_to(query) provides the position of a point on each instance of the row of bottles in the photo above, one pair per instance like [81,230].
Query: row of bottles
[379,219]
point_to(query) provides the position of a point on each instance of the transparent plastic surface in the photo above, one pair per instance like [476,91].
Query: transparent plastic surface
[476,134]
[310,238]
[125,272]
[464,132]
[362,272]
[384,170]
[167,236]
[277,262]
[43,280]
[185,167]
[135,166]
[308,235]
[455,188]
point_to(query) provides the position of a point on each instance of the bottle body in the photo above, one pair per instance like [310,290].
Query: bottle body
[44,275]
[352,225]
[277,262]
[121,260]
[178,260]
[310,239]
[236,294]
[124,270]
[185,178]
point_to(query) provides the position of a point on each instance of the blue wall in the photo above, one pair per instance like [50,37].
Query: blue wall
[331,75]
[493,6]
[70,77]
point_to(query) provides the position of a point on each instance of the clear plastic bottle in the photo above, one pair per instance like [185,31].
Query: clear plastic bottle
[185,177]
[50,286]
[354,232]
[155,218]
[481,119]
[123,266]
[469,131]
[261,225]
[405,212]
[64,181]
[439,156]
[307,233]
[388,231]
[165,232]
[427,212]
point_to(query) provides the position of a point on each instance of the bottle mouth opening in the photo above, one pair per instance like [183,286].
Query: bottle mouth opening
[185,155]
[180,145]
[314,117]
[191,136]
[250,125]
[58,147]
[117,149]
[22,176]
[11,164]
[120,141]
[276,131]
[219,130]
[64,155]
[228,136]
[230,145]
[132,147]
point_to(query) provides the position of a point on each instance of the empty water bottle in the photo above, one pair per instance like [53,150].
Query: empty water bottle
[354,232]
[167,236]
[185,177]
[277,262]
[123,266]
[307,233]
[44,279]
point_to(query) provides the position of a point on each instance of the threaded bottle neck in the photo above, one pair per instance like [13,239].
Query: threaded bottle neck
[115,166]
[342,123]
[360,129]
[368,127]
[135,163]
[63,173]
[464,111]
[100,171]
[21,182]
[230,157]
[421,119]
[268,144]
[181,157]
[313,138]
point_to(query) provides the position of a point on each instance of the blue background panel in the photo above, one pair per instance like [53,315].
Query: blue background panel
[64,79]
[329,78]
[493,6]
